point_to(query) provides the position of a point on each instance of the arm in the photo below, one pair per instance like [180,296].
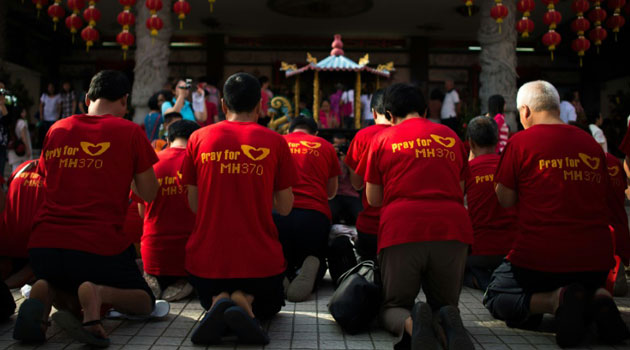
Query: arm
[331,188]
[199,106]
[3,108]
[374,194]
[192,198]
[74,105]
[179,104]
[41,111]
[141,209]
[82,108]
[506,196]
[283,201]
[145,185]
[356,180]
[24,137]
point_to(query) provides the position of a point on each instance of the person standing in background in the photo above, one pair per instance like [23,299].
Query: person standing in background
[68,100]
[49,111]
[451,106]
[22,149]
[4,133]
[567,109]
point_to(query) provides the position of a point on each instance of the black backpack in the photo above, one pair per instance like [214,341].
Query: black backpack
[357,301]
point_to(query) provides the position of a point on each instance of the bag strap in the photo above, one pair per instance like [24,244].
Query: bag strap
[155,126]
[367,263]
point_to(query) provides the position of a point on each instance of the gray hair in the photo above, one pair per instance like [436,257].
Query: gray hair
[539,96]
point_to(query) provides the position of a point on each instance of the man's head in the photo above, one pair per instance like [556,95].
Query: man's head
[449,85]
[339,139]
[537,100]
[264,82]
[181,129]
[305,124]
[66,86]
[50,88]
[241,95]
[483,135]
[496,105]
[595,117]
[377,107]
[401,101]
[109,90]
[171,118]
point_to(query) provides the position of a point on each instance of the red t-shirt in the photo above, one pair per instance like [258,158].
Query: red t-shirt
[559,174]
[420,165]
[168,221]
[617,202]
[24,197]
[211,110]
[236,167]
[494,227]
[88,163]
[368,219]
[316,162]
[132,226]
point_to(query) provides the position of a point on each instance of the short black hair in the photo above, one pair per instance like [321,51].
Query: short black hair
[168,95]
[403,99]
[241,93]
[377,101]
[496,104]
[483,131]
[339,136]
[153,102]
[303,122]
[170,116]
[111,85]
[181,129]
[592,116]
[263,80]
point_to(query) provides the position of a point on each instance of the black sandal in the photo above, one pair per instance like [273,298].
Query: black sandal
[77,330]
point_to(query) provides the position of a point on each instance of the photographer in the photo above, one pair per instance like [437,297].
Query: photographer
[181,104]
[346,206]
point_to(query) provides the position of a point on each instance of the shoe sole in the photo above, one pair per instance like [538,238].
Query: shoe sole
[246,328]
[457,336]
[301,287]
[213,325]
[28,325]
[570,317]
[424,337]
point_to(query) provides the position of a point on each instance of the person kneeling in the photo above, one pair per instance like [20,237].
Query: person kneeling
[494,227]
[556,176]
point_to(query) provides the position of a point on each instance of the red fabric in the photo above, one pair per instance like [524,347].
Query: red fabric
[494,227]
[625,143]
[168,220]
[617,202]
[132,226]
[24,197]
[316,162]
[504,132]
[368,219]
[420,165]
[234,235]
[326,119]
[88,163]
[212,111]
[559,174]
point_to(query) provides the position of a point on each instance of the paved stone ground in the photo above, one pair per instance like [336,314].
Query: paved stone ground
[305,325]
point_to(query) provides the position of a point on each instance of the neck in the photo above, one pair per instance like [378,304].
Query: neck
[407,117]
[179,143]
[546,118]
[100,107]
[301,130]
[482,151]
[381,120]
[241,117]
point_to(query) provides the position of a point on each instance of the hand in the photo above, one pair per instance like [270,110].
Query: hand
[181,90]
[2,100]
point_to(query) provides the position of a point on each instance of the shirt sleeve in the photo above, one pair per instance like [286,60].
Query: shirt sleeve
[507,169]
[286,173]
[455,96]
[189,171]
[373,173]
[145,155]
[166,105]
[41,99]
[599,136]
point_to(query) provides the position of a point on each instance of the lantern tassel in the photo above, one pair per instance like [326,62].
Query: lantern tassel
[211,7]
[551,55]
[598,49]
[38,12]
[499,28]
[469,10]
[124,55]
[181,25]
[615,36]
[580,62]
[55,26]
[73,38]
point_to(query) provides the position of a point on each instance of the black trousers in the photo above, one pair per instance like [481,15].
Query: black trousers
[345,208]
[366,246]
[303,233]
[511,288]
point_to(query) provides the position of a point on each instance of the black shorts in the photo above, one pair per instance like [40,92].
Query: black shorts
[268,292]
[67,269]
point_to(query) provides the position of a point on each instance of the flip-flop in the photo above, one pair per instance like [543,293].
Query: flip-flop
[570,316]
[76,329]
[161,310]
[611,328]
[247,329]
[213,326]
[28,325]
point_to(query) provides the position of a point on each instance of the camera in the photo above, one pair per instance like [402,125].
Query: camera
[188,84]
[4,92]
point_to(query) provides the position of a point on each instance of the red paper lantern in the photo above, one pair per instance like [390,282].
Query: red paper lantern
[56,11]
[551,39]
[126,19]
[551,4]
[597,15]
[125,39]
[154,24]
[76,5]
[615,22]
[468,4]
[92,15]
[74,23]
[153,5]
[89,35]
[526,7]
[616,5]
[580,25]
[525,26]
[39,5]
[181,8]
[597,35]
[127,4]
[499,12]
[580,45]
[580,7]
[552,18]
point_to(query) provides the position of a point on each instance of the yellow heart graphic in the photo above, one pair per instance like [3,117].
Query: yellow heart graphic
[447,142]
[95,150]
[311,144]
[613,171]
[254,153]
[591,162]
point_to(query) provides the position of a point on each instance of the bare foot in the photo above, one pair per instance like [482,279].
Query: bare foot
[91,301]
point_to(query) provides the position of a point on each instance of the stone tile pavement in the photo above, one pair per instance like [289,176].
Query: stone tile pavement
[305,325]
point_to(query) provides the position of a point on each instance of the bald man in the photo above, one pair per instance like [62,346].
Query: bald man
[556,176]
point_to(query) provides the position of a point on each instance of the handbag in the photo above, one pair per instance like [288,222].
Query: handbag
[357,301]
[17,145]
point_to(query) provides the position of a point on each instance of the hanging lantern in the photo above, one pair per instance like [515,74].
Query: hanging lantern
[39,5]
[580,45]
[468,4]
[615,22]
[154,24]
[580,25]
[92,15]
[597,35]
[126,19]
[74,23]
[76,5]
[212,5]
[153,5]
[552,18]
[616,5]
[597,16]
[525,26]
[56,11]
[551,39]
[89,35]
[580,7]
[181,8]
[499,12]
[125,39]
